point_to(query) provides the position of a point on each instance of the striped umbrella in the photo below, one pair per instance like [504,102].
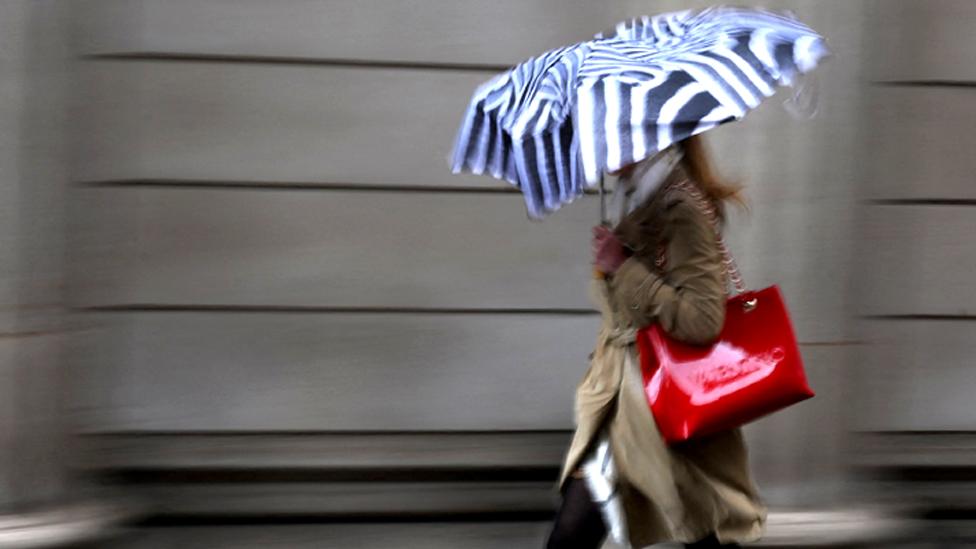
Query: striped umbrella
[553,125]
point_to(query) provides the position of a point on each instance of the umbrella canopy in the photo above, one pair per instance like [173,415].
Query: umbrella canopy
[554,124]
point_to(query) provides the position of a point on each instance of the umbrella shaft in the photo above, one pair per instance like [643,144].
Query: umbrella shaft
[603,204]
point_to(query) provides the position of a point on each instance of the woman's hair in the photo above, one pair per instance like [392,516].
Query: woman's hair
[699,167]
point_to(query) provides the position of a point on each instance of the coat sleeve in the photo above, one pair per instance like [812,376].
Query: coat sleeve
[689,299]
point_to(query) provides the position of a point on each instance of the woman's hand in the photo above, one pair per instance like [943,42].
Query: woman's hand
[608,252]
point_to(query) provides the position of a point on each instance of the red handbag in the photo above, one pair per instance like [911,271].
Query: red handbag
[753,369]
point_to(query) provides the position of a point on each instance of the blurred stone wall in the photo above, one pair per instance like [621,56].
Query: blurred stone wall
[284,305]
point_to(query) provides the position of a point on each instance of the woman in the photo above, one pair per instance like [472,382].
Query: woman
[661,263]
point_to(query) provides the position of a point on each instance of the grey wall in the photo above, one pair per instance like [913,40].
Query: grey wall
[916,248]
[230,246]
[241,271]
[33,181]
[912,411]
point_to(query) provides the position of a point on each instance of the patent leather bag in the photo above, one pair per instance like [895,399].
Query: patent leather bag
[753,369]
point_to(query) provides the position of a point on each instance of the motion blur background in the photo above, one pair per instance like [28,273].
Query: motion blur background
[245,304]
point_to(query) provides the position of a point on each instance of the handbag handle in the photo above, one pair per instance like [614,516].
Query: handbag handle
[707,207]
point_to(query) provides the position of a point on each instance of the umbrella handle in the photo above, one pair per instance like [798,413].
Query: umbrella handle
[597,273]
[603,204]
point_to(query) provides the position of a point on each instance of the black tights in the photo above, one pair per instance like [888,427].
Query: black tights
[579,523]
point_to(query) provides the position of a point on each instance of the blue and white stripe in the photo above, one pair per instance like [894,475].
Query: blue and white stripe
[556,123]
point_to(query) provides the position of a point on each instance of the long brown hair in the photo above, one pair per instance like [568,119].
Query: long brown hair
[699,166]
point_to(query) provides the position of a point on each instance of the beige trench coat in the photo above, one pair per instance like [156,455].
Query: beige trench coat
[679,493]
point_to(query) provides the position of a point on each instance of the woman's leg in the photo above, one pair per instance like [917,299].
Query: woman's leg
[579,524]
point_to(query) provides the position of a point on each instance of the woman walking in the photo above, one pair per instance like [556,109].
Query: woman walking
[631,102]
[661,263]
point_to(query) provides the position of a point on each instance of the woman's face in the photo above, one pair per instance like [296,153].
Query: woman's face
[629,168]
